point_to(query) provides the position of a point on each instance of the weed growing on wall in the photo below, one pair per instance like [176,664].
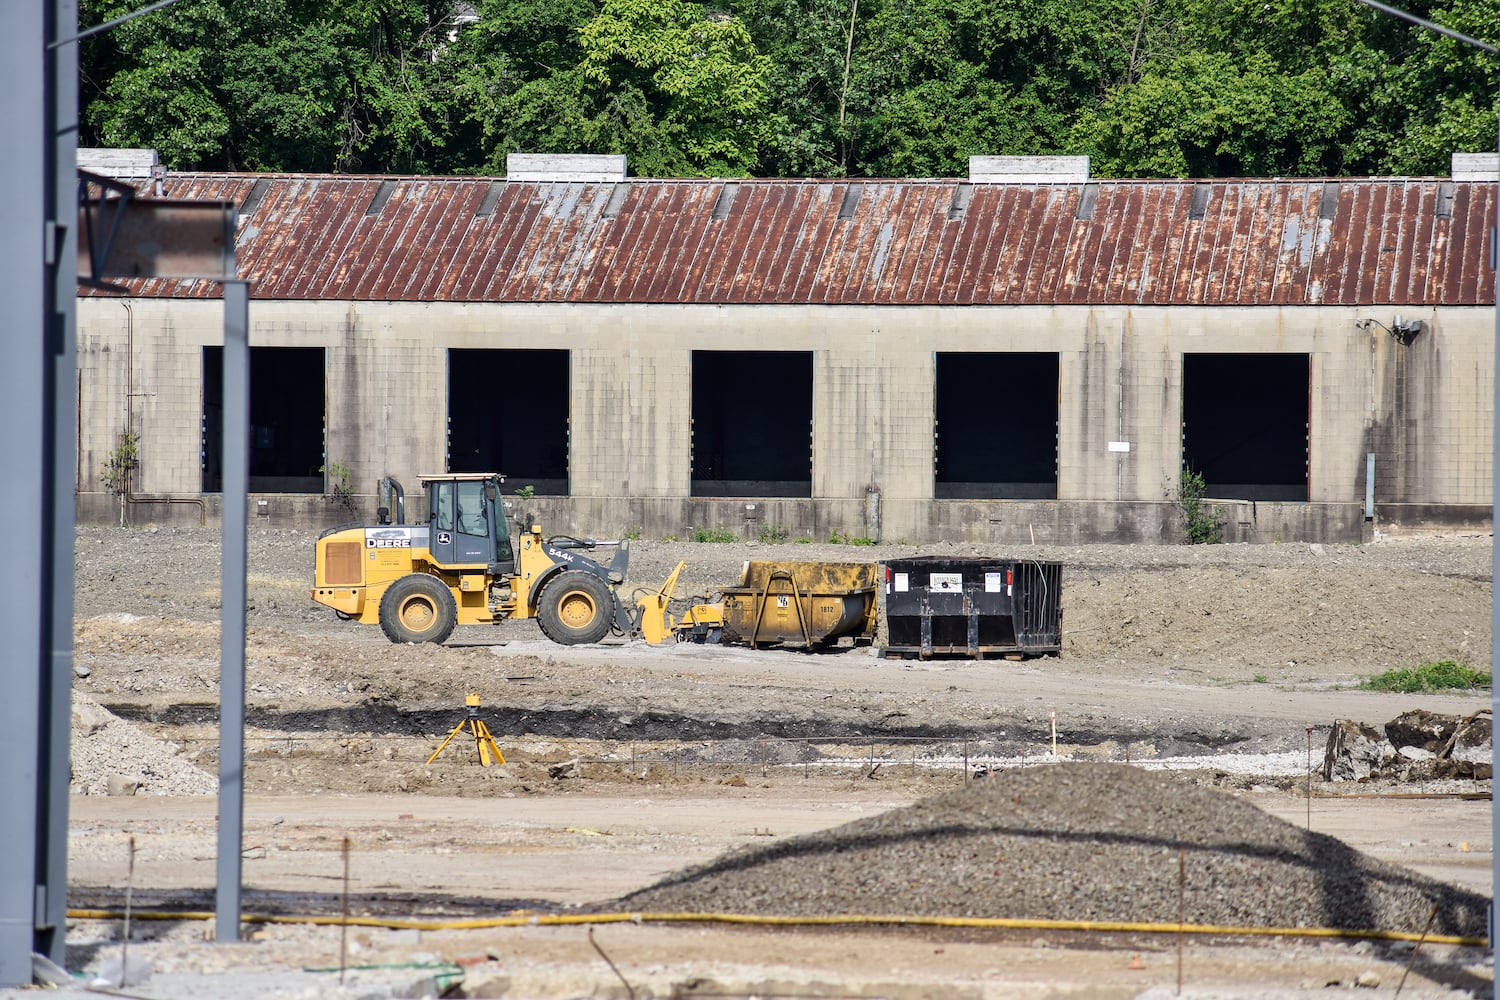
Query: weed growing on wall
[771,534]
[340,491]
[118,465]
[1202,521]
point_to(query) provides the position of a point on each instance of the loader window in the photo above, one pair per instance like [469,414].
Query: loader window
[471,509]
[1245,424]
[287,407]
[752,423]
[996,426]
[526,440]
[460,532]
[459,507]
[441,505]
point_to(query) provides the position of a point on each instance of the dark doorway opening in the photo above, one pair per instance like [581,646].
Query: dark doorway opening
[508,413]
[752,423]
[996,432]
[1245,424]
[287,413]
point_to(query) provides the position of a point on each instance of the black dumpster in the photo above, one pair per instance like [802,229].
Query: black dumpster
[937,606]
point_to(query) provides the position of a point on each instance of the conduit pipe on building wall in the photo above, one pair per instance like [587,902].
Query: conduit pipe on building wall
[132,499]
[846,920]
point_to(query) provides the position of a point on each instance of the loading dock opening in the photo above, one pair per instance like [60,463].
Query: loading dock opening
[1245,424]
[508,413]
[996,426]
[287,415]
[752,423]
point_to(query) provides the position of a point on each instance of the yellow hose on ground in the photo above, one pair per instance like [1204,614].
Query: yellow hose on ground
[562,919]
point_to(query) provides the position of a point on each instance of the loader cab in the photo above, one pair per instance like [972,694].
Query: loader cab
[466,523]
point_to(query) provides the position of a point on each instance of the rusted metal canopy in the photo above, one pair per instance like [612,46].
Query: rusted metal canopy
[1340,241]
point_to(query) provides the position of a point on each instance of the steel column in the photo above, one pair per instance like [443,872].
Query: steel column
[236,436]
[59,453]
[23,299]
[1495,517]
[37,287]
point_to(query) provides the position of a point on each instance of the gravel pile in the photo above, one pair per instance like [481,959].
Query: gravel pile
[1074,842]
[111,755]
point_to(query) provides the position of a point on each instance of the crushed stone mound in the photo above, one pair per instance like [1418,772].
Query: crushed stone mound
[103,745]
[1097,842]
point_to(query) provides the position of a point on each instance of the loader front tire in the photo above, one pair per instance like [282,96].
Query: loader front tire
[576,608]
[418,608]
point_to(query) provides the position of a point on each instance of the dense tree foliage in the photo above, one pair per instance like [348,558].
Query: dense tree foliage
[828,88]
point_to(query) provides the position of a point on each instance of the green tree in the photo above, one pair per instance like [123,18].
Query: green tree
[679,91]
[1209,115]
[277,84]
[511,83]
[793,87]
[698,76]
[1435,96]
[942,80]
[813,109]
[1299,87]
[154,82]
[931,129]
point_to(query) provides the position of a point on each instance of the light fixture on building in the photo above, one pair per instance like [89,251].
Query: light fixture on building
[1404,330]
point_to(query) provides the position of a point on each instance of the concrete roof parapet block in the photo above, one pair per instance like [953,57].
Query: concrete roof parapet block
[1476,166]
[582,167]
[1028,169]
[121,164]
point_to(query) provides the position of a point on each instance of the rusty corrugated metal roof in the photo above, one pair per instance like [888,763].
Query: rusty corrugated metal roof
[895,242]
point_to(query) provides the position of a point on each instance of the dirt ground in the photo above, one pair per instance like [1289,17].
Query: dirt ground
[626,762]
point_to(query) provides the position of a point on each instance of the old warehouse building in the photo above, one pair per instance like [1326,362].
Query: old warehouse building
[1025,354]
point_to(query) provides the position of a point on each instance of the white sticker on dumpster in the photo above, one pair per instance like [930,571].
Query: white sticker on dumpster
[903,583]
[992,583]
[947,583]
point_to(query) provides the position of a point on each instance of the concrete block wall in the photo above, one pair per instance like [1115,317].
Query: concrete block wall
[630,393]
[873,405]
[1424,408]
[1431,417]
[1119,406]
[154,349]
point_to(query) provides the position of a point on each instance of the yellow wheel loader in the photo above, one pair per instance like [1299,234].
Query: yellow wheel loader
[463,567]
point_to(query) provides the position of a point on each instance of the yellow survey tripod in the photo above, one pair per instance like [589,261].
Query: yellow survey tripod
[483,741]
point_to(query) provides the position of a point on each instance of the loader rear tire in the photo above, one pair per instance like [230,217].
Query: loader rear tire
[418,608]
[576,608]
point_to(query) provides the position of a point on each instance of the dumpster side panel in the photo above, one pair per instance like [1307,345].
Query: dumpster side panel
[972,607]
[803,604]
[774,618]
